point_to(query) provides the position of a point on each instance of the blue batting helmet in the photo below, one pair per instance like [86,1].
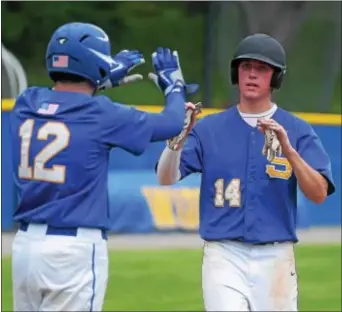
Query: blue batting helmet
[80,49]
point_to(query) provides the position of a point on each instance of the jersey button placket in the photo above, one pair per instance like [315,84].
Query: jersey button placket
[251,172]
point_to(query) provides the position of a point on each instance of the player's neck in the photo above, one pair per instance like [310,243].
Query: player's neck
[81,87]
[255,107]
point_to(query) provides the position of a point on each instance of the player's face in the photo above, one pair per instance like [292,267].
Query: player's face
[254,79]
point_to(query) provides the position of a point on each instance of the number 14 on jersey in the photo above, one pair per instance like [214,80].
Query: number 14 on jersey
[232,193]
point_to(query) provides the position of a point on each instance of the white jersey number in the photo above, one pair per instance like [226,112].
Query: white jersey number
[232,193]
[62,137]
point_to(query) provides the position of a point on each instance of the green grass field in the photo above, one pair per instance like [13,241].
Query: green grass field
[169,280]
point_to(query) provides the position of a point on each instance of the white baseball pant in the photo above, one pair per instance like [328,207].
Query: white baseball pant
[59,273]
[242,277]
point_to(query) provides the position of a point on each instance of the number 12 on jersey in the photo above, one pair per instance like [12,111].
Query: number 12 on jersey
[56,174]
[232,193]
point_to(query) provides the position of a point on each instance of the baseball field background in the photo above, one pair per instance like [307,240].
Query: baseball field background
[155,251]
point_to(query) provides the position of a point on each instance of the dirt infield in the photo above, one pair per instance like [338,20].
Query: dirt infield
[186,241]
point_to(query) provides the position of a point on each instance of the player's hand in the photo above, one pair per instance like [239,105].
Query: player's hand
[192,110]
[124,62]
[276,138]
[168,72]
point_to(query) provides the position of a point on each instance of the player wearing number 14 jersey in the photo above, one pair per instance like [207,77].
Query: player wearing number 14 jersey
[248,201]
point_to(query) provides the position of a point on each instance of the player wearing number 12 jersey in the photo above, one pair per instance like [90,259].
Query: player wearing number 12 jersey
[248,202]
[61,139]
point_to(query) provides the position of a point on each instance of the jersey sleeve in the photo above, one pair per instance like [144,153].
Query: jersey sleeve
[191,157]
[124,127]
[311,149]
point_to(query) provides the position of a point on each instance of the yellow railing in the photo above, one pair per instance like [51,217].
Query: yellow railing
[313,118]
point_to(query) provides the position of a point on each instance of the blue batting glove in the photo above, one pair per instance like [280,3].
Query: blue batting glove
[124,62]
[168,72]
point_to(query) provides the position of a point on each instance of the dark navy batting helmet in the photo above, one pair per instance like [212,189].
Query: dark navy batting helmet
[263,48]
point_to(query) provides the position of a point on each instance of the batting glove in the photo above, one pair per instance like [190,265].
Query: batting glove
[176,142]
[272,147]
[124,62]
[168,72]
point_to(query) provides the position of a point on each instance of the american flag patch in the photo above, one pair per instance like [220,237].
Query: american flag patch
[48,109]
[61,61]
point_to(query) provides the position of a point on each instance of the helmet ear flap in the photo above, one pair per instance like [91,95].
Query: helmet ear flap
[277,79]
[234,75]
[234,71]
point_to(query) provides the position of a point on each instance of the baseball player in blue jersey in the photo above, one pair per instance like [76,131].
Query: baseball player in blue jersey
[251,158]
[61,139]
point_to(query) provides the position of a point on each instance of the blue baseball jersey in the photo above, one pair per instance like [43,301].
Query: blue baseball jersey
[242,195]
[61,143]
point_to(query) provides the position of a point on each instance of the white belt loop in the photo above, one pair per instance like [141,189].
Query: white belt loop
[38,230]
[89,234]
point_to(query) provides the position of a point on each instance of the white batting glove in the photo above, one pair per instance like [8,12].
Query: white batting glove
[175,142]
[272,147]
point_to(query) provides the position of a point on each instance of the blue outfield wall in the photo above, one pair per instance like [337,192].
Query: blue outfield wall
[139,205]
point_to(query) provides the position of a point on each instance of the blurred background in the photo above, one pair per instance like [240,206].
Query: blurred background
[204,33]
[145,214]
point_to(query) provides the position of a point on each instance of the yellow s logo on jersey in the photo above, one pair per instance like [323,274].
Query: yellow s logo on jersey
[284,173]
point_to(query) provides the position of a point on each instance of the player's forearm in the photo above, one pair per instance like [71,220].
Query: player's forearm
[168,167]
[312,183]
[170,121]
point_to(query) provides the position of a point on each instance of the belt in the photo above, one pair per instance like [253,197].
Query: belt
[240,240]
[67,231]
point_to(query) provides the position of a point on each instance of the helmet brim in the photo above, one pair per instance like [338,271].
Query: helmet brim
[258,57]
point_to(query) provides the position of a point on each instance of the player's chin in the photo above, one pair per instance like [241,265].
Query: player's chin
[251,94]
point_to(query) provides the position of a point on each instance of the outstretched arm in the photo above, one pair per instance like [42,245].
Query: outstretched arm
[132,129]
[169,169]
